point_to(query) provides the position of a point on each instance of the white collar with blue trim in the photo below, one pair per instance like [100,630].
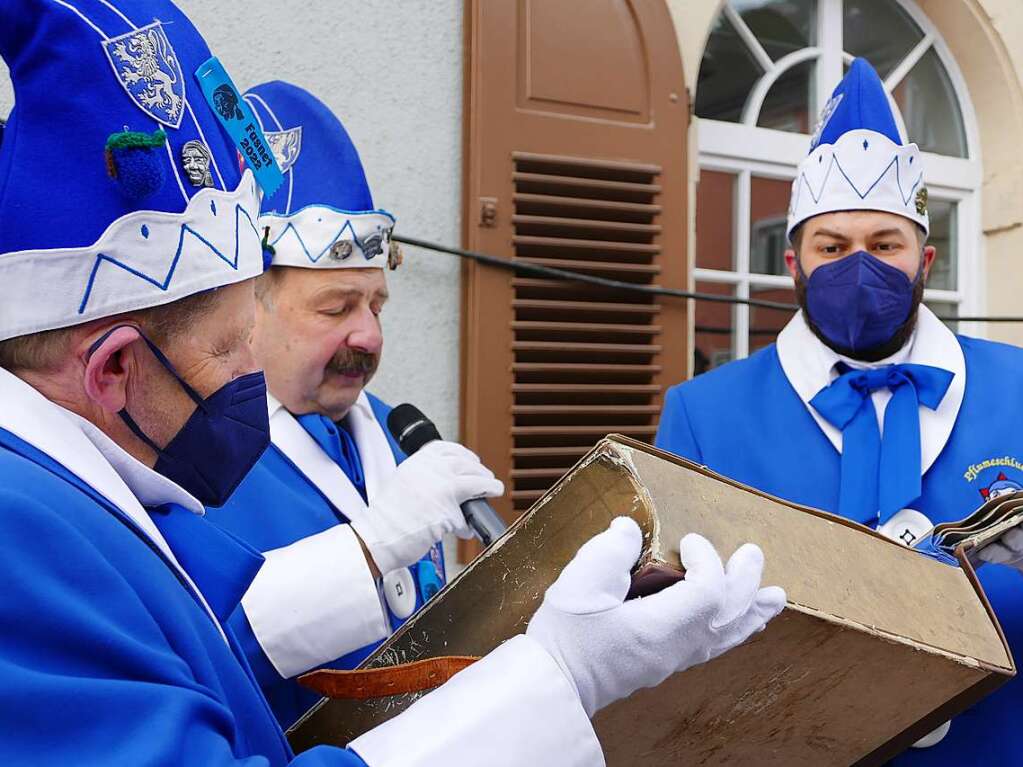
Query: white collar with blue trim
[809,366]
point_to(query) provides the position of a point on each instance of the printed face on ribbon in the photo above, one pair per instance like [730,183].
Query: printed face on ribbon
[286,146]
[149,71]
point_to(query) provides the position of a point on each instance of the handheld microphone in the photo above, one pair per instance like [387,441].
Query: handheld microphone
[412,430]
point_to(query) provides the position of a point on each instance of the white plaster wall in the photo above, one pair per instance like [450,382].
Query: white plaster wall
[393,72]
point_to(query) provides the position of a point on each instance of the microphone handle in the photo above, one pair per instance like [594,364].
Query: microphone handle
[483,520]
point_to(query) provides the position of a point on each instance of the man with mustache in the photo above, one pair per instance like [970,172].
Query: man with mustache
[340,514]
[868,406]
[131,401]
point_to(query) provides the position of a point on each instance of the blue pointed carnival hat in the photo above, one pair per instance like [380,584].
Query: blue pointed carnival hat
[858,160]
[119,188]
[322,216]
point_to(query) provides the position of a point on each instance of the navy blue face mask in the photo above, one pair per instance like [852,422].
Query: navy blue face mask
[859,302]
[219,443]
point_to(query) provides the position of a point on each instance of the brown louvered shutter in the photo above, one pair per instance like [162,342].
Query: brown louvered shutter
[576,117]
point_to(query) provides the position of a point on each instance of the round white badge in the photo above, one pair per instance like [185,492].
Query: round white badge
[400,592]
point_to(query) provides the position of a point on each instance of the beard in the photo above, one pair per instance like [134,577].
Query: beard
[875,353]
[353,362]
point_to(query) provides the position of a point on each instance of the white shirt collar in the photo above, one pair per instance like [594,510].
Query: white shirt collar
[378,462]
[809,366]
[82,449]
[150,487]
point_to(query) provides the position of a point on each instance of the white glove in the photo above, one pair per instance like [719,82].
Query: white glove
[421,504]
[1007,550]
[609,648]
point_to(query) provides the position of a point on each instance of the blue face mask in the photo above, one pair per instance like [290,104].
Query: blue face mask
[859,302]
[219,443]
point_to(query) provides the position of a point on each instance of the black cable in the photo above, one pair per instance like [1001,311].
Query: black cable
[564,274]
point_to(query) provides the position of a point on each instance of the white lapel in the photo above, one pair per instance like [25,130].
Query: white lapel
[378,462]
[85,451]
[374,448]
[809,366]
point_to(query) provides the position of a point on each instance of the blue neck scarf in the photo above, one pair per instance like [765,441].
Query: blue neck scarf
[339,445]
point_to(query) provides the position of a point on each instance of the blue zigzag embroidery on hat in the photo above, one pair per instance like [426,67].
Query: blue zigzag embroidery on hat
[313,259]
[804,181]
[164,284]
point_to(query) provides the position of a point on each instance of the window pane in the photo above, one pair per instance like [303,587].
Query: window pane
[788,103]
[879,31]
[715,212]
[946,311]
[929,107]
[715,329]
[766,324]
[781,26]
[945,271]
[769,207]
[727,74]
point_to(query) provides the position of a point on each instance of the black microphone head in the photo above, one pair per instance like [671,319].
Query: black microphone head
[411,428]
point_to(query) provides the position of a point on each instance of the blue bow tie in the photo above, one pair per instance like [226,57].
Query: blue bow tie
[880,477]
[339,445]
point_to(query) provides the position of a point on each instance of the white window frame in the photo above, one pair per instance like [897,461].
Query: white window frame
[745,150]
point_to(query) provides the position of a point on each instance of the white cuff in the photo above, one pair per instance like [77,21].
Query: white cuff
[314,601]
[512,708]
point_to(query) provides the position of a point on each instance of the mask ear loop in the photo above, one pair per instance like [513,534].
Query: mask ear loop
[162,358]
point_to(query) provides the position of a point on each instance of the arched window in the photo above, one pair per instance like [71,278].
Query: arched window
[768,67]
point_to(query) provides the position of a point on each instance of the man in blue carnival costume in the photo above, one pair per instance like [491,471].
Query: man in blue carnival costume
[330,487]
[868,406]
[131,400]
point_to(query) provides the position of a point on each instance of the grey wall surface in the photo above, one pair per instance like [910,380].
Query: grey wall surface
[393,72]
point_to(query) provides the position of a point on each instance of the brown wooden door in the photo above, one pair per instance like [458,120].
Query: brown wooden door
[575,134]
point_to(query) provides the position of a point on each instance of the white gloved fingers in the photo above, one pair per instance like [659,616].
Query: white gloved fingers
[770,601]
[742,581]
[463,531]
[448,451]
[599,575]
[705,573]
[468,487]
[738,631]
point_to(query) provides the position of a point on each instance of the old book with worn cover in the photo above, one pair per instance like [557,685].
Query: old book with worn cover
[878,645]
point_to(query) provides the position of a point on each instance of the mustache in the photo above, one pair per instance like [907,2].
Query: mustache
[351,361]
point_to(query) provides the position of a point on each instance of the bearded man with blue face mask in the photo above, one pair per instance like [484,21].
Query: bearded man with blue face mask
[868,406]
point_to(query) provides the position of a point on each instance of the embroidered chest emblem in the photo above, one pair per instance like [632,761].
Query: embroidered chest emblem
[1001,486]
[286,146]
[149,71]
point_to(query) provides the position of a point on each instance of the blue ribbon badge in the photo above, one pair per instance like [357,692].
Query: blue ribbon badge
[237,118]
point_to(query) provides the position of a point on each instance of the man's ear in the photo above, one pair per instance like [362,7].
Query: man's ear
[106,374]
[930,253]
[791,265]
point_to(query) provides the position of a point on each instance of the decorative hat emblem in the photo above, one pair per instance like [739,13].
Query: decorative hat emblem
[225,99]
[341,250]
[149,71]
[825,117]
[195,160]
[286,146]
[373,246]
[921,201]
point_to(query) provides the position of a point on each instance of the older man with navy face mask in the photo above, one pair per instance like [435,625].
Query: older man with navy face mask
[867,405]
[131,399]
